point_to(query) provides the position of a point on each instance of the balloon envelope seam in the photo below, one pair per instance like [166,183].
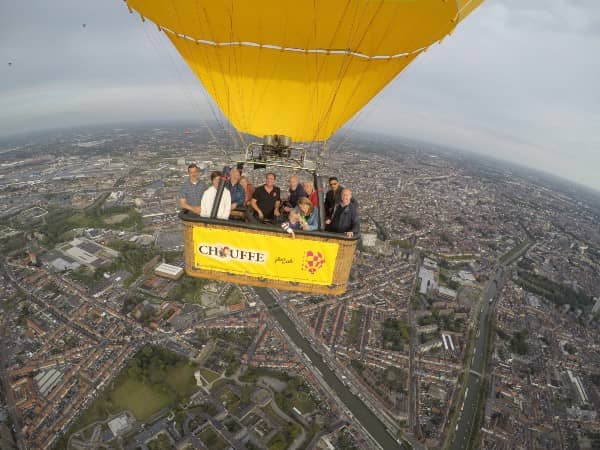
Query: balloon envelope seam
[324,51]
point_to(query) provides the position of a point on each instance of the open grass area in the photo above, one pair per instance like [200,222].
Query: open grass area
[60,220]
[116,218]
[181,379]
[295,395]
[254,373]
[354,325]
[144,388]
[209,375]
[139,398]
[304,402]
[229,399]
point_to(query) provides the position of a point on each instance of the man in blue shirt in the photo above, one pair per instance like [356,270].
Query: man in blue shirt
[190,194]
[238,194]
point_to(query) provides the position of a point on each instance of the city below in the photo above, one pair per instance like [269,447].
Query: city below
[471,318]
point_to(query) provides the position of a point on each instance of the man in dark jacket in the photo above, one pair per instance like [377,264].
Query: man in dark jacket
[333,196]
[345,216]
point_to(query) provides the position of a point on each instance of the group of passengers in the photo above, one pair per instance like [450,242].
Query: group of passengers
[297,211]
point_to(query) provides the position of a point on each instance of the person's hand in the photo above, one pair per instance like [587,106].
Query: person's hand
[233,206]
[287,209]
[293,235]
[328,222]
[197,209]
[349,234]
[261,216]
[304,225]
[277,213]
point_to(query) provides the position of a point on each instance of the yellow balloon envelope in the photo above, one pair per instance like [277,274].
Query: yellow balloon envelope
[301,68]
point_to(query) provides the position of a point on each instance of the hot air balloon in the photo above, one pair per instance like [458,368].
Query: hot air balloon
[290,71]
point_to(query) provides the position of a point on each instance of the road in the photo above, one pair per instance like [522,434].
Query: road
[413,399]
[472,397]
[355,405]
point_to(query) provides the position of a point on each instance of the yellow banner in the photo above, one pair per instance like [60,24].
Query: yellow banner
[265,256]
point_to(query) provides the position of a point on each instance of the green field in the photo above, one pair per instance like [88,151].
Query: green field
[143,391]
[142,399]
[354,326]
[304,402]
[181,379]
[209,375]
[139,398]
[60,220]
[296,395]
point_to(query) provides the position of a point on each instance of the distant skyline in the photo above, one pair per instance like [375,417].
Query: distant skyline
[517,80]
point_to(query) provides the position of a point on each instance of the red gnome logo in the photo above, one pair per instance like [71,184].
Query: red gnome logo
[313,261]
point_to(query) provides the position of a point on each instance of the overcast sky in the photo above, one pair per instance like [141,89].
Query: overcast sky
[518,80]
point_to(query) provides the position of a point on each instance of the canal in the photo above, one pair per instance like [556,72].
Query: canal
[360,411]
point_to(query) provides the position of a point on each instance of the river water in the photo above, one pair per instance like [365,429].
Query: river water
[360,411]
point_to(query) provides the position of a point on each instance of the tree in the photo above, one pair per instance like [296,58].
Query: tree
[518,343]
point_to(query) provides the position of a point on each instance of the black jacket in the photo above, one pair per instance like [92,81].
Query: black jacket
[332,198]
[345,218]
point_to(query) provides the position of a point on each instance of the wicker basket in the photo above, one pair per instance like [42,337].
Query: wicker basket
[340,275]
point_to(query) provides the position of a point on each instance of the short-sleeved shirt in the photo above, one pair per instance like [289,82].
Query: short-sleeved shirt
[266,200]
[192,193]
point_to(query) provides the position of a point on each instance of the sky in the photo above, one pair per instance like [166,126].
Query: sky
[518,80]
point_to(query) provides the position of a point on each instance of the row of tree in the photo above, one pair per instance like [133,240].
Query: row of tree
[558,294]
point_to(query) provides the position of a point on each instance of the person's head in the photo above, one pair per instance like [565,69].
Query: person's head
[193,172]
[334,183]
[234,176]
[294,216]
[215,177]
[293,182]
[270,179]
[309,188]
[346,197]
[306,206]
[243,181]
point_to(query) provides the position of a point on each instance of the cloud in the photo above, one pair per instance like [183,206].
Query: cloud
[522,90]
[63,73]
[517,79]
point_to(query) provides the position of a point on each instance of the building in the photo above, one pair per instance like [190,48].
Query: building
[369,239]
[428,282]
[88,253]
[447,294]
[578,387]
[169,271]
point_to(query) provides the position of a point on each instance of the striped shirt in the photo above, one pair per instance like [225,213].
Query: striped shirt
[192,193]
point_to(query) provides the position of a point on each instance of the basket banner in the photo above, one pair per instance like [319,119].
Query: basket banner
[265,256]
